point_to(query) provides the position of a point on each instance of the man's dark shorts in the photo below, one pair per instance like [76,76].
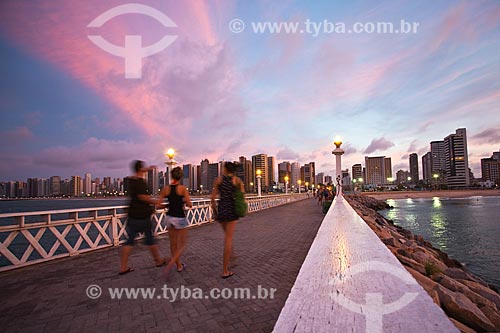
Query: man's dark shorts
[135,226]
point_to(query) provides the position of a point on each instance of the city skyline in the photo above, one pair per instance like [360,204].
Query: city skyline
[67,108]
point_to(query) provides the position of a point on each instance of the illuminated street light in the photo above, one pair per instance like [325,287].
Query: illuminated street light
[338,152]
[286,184]
[171,153]
[170,162]
[259,173]
[299,182]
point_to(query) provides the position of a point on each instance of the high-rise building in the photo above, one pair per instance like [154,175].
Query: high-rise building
[271,162]
[427,167]
[413,161]
[295,175]
[194,173]
[320,178]
[490,168]
[153,180]
[456,159]
[307,173]
[87,184]
[55,185]
[16,189]
[447,163]
[402,177]
[35,187]
[378,170]
[388,168]
[346,179]
[106,186]
[188,179]
[76,186]
[438,159]
[260,162]
[284,169]
[204,176]
[213,173]
[357,171]
[245,173]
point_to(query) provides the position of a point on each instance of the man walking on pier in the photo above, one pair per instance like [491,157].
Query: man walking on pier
[139,217]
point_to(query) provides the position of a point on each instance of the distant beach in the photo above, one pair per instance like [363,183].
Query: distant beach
[431,194]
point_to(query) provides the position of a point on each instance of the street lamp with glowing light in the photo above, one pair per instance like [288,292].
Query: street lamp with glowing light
[338,152]
[259,188]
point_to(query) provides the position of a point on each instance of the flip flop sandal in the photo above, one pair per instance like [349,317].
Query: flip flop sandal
[163,263]
[127,271]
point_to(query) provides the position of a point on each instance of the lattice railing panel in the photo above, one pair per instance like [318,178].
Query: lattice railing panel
[29,238]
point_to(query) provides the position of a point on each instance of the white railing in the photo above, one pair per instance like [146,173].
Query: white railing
[351,282]
[34,237]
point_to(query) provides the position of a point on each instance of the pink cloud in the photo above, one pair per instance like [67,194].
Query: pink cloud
[94,154]
[413,146]
[197,57]
[287,154]
[490,135]
[16,135]
[453,25]
[378,144]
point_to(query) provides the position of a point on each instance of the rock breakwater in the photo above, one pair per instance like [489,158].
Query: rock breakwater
[470,303]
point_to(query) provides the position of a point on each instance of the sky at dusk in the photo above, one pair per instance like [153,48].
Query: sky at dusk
[66,107]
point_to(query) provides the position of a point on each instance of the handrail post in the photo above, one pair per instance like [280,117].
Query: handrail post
[114,229]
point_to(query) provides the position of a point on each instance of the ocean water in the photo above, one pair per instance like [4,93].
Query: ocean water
[19,244]
[17,206]
[468,229]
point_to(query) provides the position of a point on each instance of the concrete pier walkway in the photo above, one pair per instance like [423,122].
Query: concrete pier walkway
[271,246]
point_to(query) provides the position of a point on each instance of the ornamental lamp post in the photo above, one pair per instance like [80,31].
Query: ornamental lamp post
[299,182]
[170,162]
[286,184]
[338,152]
[360,180]
[259,191]
[436,177]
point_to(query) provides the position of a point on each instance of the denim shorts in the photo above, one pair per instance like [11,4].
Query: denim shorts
[177,222]
[135,226]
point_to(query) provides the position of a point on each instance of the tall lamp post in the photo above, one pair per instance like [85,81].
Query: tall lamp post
[286,184]
[436,180]
[338,152]
[170,162]
[360,180]
[259,173]
[299,182]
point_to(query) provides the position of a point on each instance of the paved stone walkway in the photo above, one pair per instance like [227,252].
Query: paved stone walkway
[271,246]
